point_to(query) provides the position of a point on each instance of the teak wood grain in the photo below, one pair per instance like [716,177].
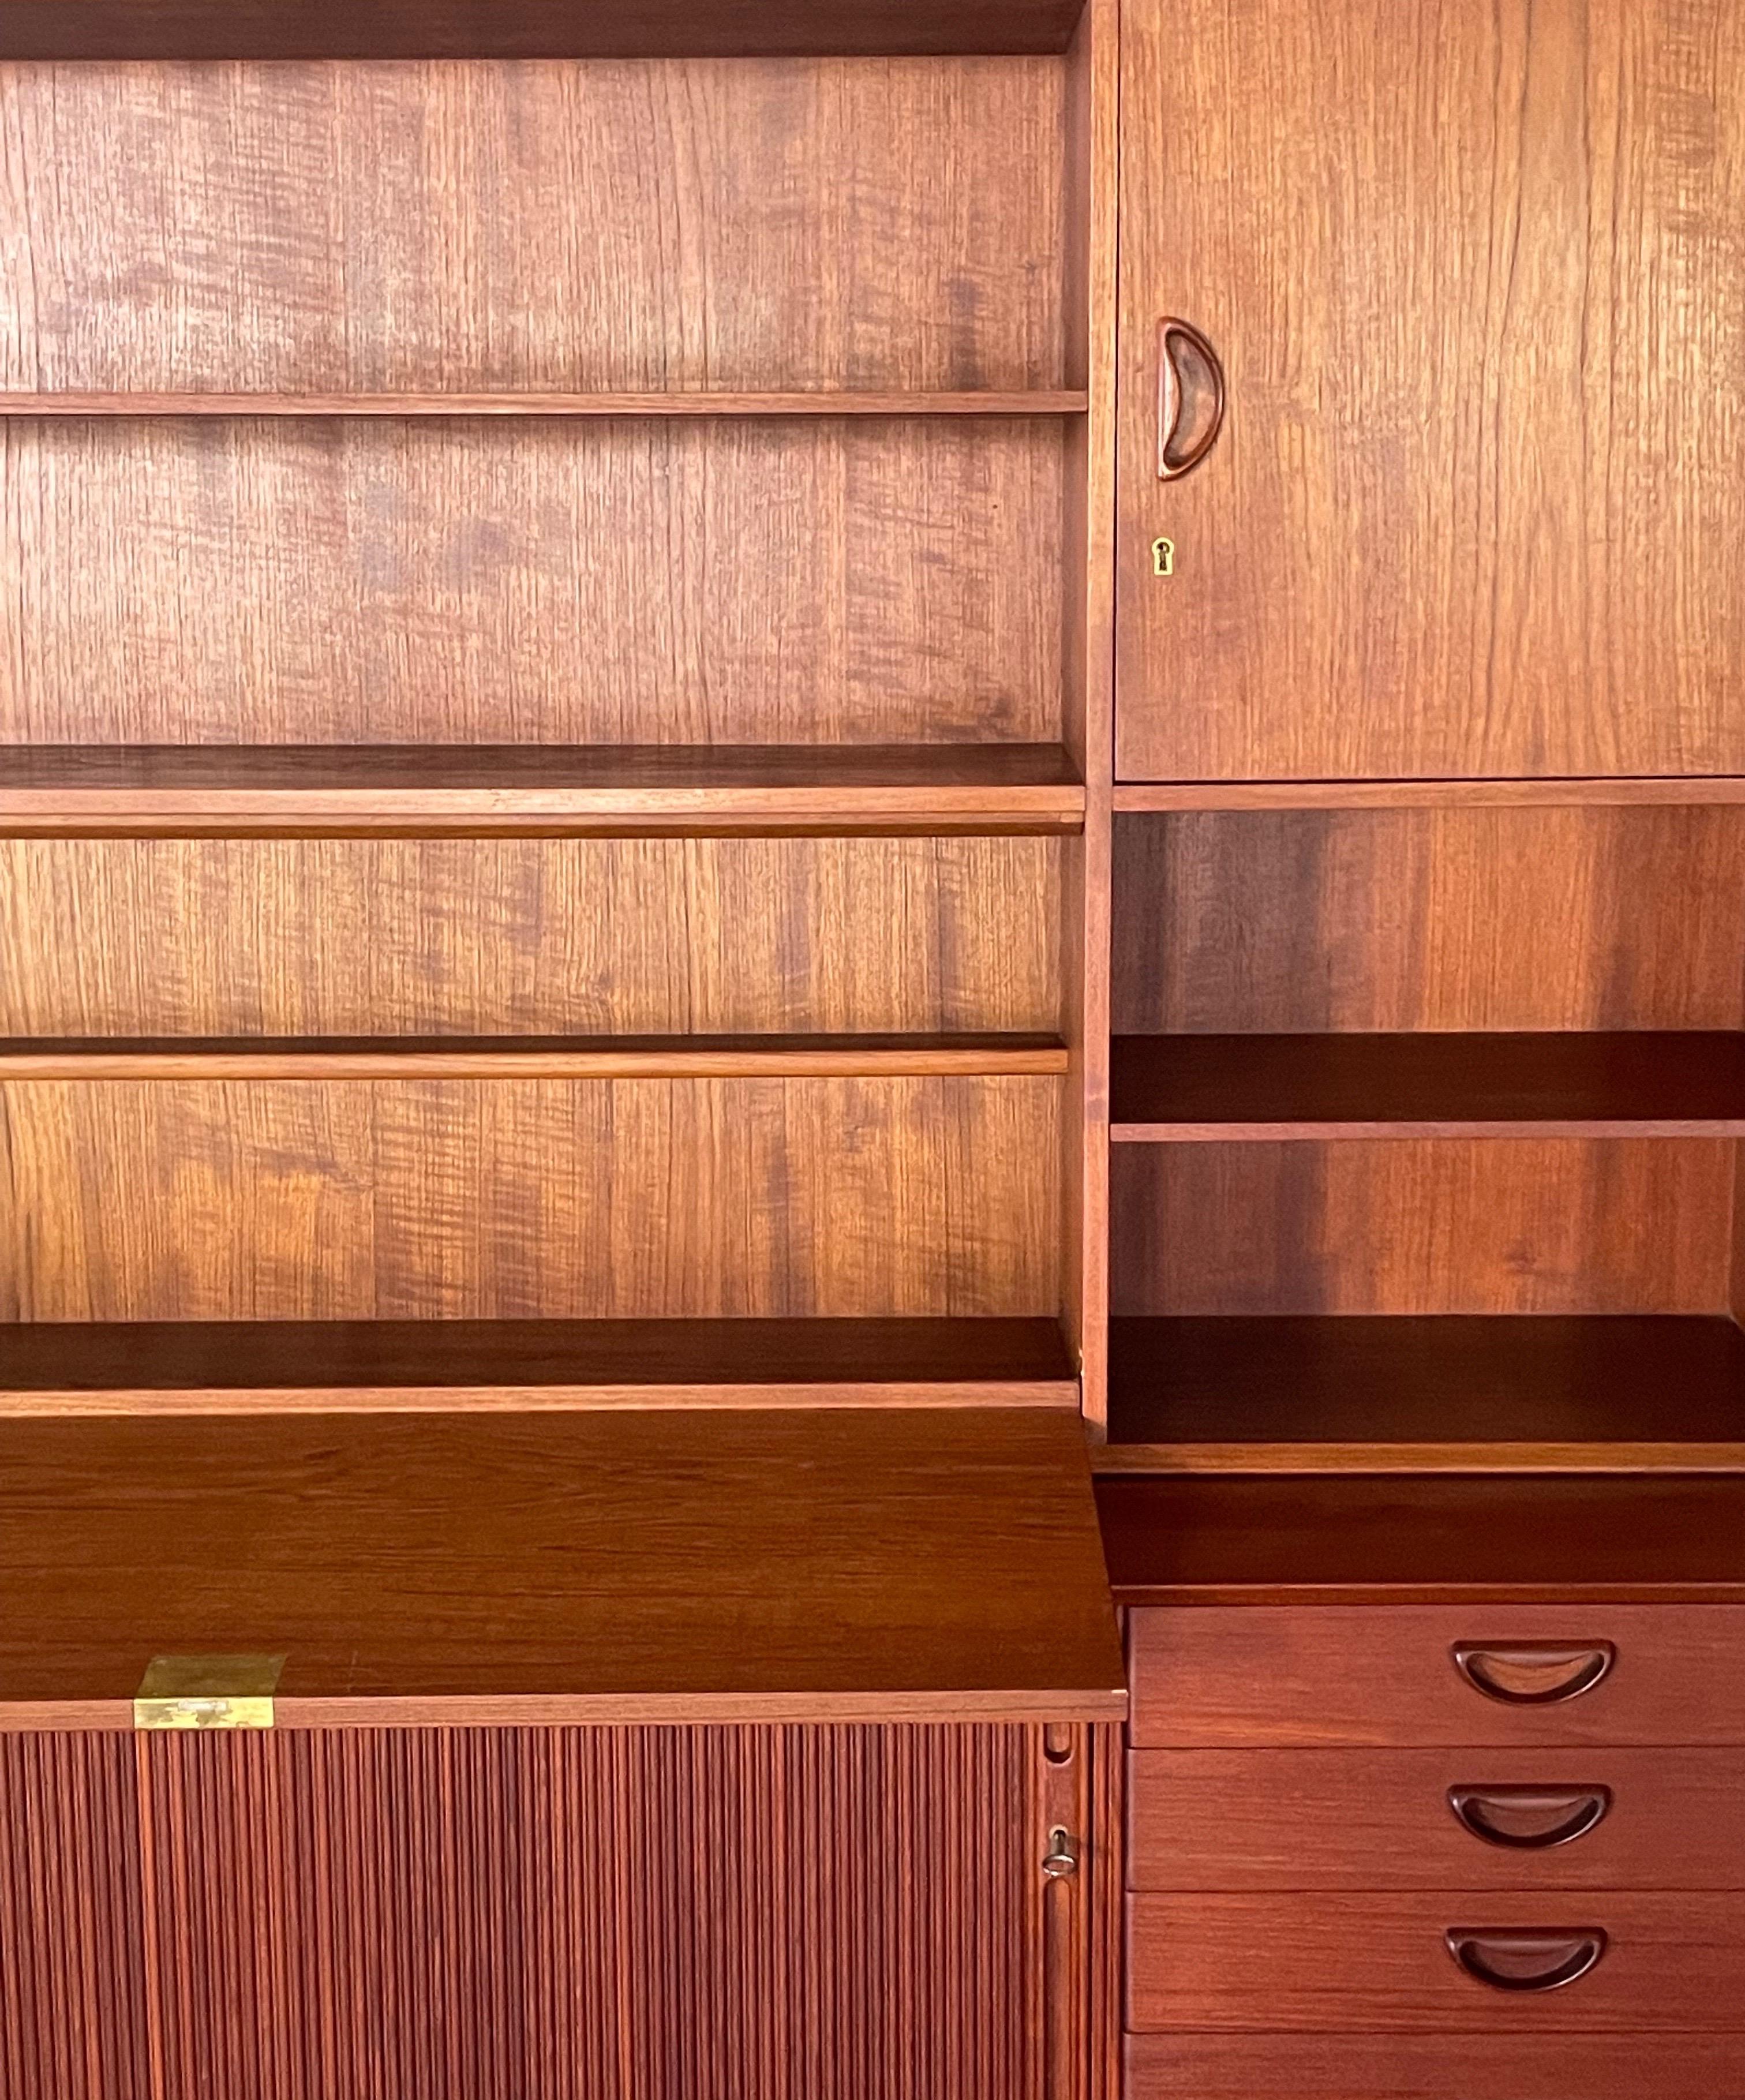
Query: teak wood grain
[1337,1674]
[194,790]
[1333,1963]
[842,582]
[1423,1225]
[1455,919]
[710,401]
[501,1198]
[424,230]
[1226,1821]
[1432,2066]
[1476,1539]
[1476,276]
[1284,1393]
[558,1569]
[503,937]
[117,1367]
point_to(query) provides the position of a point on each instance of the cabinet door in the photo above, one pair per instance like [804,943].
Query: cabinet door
[1475,269]
[730,1913]
[73,1946]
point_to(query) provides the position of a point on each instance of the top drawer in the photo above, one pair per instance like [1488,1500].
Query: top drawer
[1644,1674]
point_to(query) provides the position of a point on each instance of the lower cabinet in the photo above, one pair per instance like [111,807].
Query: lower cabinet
[781,1912]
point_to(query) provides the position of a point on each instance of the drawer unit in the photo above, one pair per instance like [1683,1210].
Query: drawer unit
[1437,1819]
[1359,2067]
[1504,1963]
[1467,1676]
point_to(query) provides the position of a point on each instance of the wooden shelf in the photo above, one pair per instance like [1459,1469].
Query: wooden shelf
[574,407]
[529,29]
[337,1366]
[1378,1394]
[550,1569]
[1543,1539]
[524,790]
[537,1058]
[1227,1089]
[1614,791]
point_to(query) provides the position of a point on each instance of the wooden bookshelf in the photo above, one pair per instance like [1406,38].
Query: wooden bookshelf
[1471,1394]
[316,1059]
[562,1568]
[338,1366]
[365,791]
[1265,1089]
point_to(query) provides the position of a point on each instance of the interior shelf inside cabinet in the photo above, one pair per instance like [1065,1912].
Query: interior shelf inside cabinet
[554,1568]
[422,1365]
[68,790]
[1281,1393]
[1183,1088]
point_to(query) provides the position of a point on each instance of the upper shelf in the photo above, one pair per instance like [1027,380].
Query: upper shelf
[524,790]
[421,1366]
[551,1569]
[534,1057]
[573,406]
[528,28]
[1196,1089]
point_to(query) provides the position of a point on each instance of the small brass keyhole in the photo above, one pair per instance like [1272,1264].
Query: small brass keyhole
[1163,557]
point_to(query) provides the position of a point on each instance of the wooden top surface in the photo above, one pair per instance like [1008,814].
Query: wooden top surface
[1268,1087]
[551,1568]
[1350,1539]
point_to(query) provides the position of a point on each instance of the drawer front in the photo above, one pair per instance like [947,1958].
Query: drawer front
[1376,1820]
[1244,1677]
[1355,2067]
[1333,1963]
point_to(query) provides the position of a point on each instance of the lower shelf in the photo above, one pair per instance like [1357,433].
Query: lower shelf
[642,1566]
[1289,1394]
[344,1366]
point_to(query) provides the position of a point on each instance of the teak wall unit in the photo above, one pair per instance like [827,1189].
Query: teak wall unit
[826,833]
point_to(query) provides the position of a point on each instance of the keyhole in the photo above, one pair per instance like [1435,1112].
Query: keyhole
[1163,557]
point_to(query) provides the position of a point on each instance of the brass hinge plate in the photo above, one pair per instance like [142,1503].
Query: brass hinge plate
[208,1691]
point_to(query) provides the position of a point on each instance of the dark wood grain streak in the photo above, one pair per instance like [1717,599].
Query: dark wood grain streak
[605,1915]
[73,2011]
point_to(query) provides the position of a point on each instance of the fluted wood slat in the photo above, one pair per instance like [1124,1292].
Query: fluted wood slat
[72,2004]
[846,1913]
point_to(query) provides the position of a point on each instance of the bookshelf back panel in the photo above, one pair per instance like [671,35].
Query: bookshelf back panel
[1302,921]
[452,226]
[1461,1225]
[517,1199]
[862,582]
[654,936]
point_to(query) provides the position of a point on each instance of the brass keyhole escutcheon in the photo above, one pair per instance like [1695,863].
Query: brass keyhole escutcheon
[1163,557]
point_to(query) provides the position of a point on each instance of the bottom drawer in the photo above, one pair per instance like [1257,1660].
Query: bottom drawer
[1349,1964]
[1448,2067]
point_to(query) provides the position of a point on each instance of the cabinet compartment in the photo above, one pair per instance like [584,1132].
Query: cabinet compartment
[1261,1676]
[1280,1820]
[1475,280]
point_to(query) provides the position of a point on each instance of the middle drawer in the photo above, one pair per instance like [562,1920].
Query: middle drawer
[1229,1820]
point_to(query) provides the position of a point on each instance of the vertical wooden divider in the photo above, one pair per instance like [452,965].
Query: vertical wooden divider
[1088,667]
